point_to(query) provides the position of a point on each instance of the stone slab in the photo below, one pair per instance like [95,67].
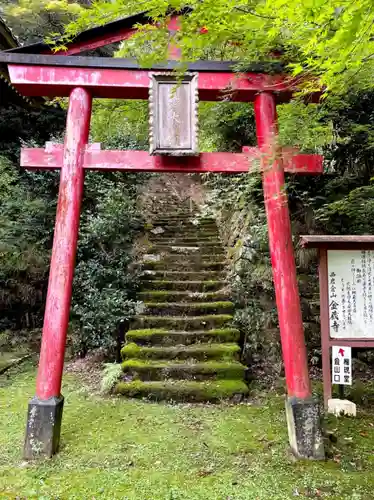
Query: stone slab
[43,427]
[341,407]
[305,428]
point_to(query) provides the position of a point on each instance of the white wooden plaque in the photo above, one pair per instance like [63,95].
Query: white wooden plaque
[351,282]
[173,114]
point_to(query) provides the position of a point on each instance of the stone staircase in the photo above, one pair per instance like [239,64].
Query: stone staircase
[183,347]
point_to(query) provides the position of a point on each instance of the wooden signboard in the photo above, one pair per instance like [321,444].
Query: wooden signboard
[346,276]
[173,114]
[350,288]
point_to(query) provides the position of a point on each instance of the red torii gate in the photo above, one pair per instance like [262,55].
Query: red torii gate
[84,78]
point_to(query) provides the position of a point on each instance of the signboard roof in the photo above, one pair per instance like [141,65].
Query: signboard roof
[341,242]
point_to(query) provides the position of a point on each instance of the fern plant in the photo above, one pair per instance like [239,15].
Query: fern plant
[111,374]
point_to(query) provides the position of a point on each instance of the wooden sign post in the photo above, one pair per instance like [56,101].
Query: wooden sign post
[346,278]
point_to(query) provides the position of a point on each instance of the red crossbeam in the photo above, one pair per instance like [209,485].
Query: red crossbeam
[51,158]
[59,81]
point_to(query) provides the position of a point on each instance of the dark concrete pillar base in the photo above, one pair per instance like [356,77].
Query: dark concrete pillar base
[43,427]
[304,428]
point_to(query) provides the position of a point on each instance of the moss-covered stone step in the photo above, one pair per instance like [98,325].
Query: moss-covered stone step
[183,229]
[182,296]
[184,223]
[169,337]
[188,308]
[199,352]
[149,274]
[185,250]
[196,242]
[192,285]
[164,369]
[187,258]
[183,217]
[183,390]
[178,263]
[184,239]
[208,322]
[181,232]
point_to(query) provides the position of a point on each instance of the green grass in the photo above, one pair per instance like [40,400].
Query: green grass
[8,358]
[129,449]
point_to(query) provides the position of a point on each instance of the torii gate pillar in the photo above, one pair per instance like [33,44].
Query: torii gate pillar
[303,413]
[45,409]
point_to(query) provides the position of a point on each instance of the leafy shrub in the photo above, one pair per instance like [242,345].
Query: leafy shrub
[104,284]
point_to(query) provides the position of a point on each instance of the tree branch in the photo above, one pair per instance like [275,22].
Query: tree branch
[252,13]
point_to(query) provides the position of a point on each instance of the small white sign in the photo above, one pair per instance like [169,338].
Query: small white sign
[341,365]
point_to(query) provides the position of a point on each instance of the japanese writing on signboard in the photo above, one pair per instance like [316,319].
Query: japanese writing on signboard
[341,365]
[351,282]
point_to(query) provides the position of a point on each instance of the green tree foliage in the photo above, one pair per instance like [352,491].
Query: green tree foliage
[120,124]
[27,208]
[23,255]
[31,20]
[332,41]
[105,282]
[338,202]
[104,287]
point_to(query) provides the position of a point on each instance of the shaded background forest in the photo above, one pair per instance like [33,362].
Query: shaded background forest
[339,202]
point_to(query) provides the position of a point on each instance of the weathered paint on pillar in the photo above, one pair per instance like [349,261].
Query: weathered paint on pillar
[281,250]
[174,52]
[56,317]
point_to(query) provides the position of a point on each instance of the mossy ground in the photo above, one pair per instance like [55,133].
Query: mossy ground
[128,449]
[6,359]
[9,358]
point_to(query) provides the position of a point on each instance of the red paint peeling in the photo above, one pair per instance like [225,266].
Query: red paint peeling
[56,317]
[141,161]
[281,251]
[58,81]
